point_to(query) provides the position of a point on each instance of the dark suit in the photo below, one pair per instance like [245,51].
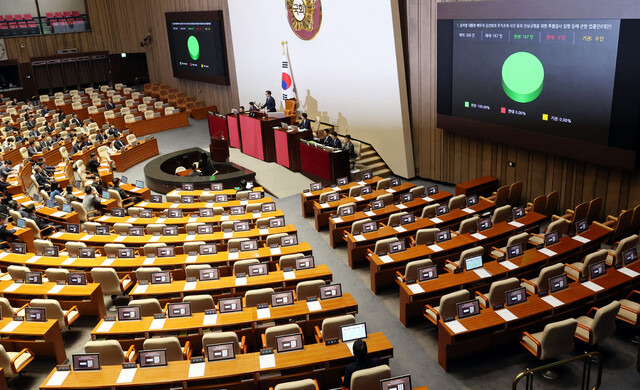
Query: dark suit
[100,138]
[113,131]
[118,144]
[110,106]
[92,167]
[76,122]
[42,180]
[77,148]
[32,150]
[6,234]
[270,104]
[31,124]
[44,111]
[305,124]
[328,141]
[336,143]
[348,146]
[49,129]
[34,133]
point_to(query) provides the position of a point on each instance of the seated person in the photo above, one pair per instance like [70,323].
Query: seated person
[17,207]
[75,120]
[6,169]
[67,194]
[42,179]
[113,130]
[194,170]
[109,105]
[362,362]
[5,234]
[47,168]
[33,148]
[91,201]
[253,107]
[93,164]
[304,123]
[336,141]
[327,141]
[9,143]
[101,137]
[241,109]
[55,190]
[117,144]
[31,123]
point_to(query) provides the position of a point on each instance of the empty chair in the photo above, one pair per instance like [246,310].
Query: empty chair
[259,296]
[469,225]
[560,225]
[131,138]
[112,249]
[74,247]
[83,215]
[555,339]
[242,195]
[308,289]
[467,253]
[226,225]
[411,270]
[304,384]
[619,225]
[501,214]
[386,198]
[520,238]
[354,191]
[274,239]
[425,236]
[634,225]
[496,295]
[356,227]
[369,378]
[447,307]
[9,310]
[515,193]
[254,208]
[394,219]
[144,273]
[289,261]
[134,211]
[602,325]
[121,228]
[615,255]
[581,268]
[191,271]
[541,283]
[383,184]
[213,338]
[501,196]
[110,352]
[155,228]
[192,246]
[242,266]
[330,328]
[234,243]
[13,363]
[383,245]
[175,352]
[553,198]
[629,310]
[148,306]
[54,312]
[269,336]
[457,202]
[90,227]
[200,302]
[115,195]
[148,114]
[429,211]
[109,281]
[56,274]
[151,248]
[417,191]
[192,227]
[345,205]
[593,212]
[16,272]
[579,213]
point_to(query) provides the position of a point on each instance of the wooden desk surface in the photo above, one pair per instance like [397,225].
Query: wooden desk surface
[144,193]
[47,212]
[244,365]
[34,329]
[230,192]
[44,289]
[133,155]
[193,218]
[307,198]
[201,205]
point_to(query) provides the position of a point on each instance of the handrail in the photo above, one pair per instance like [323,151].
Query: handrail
[588,358]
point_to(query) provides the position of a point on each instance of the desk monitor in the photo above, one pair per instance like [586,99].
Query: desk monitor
[377,204]
[50,251]
[33,277]
[514,251]
[77,279]
[316,186]
[409,218]
[394,182]
[124,179]
[289,240]
[582,226]
[236,210]
[163,277]
[86,361]
[370,226]
[471,263]
[182,309]
[341,181]
[353,332]
[103,230]
[330,291]
[186,187]
[126,253]
[87,253]
[73,228]
[282,298]
[629,256]
[289,342]
[50,203]
[224,351]
[432,190]
[248,245]
[155,198]
[268,207]
[129,313]
[230,305]
[347,210]
[397,383]
[208,274]
[205,212]
[174,213]
[188,199]
[551,238]
[367,175]
[443,235]
[165,251]
[557,283]
[139,184]
[515,296]
[241,226]
[153,358]
[136,231]
[468,308]
[306,262]
[597,269]
[106,195]
[427,273]
[406,197]
[204,229]
[207,249]
[216,186]
[518,212]
[365,190]
[484,224]
[472,200]
[442,209]
[169,230]
[66,208]
[35,314]
[257,269]
[254,195]
[19,248]
[221,198]
[333,197]
[397,246]
[118,212]
[276,222]
[21,223]
[77,184]
[146,213]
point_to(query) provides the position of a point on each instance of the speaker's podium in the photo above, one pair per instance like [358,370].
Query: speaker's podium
[219,149]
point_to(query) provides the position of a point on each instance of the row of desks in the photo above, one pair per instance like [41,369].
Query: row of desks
[216,220]
[200,205]
[307,198]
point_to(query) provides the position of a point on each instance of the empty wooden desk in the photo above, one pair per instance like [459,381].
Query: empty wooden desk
[307,198]
[43,338]
[133,155]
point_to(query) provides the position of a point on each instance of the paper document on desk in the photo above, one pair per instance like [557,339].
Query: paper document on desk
[359,198]
[142,204]
[141,289]
[482,273]
[157,323]
[209,319]
[101,219]
[362,183]
[190,237]
[108,261]
[126,375]
[390,190]
[120,238]
[436,220]
[148,260]
[33,259]
[60,214]
[468,210]
[174,205]
[56,235]
[263,313]
[506,315]
[69,261]
[592,286]
[435,247]
[370,213]
[3,254]
[193,218]
[154,238]
[479,236]
[267,361]
[56,289]
[12,287]
[161,220]
[233,255]
[263,231]
[223,217]
[349,345]
[241,281]
[547,252]
[415,288]
[455,326]
[629,272]
[359,237]
[314,306]
[131,219]
[244,202]
[288,275]
[190,286]
[400,229]
[191,259]
[324,205]
[335,188]
[581,239]
[276,251]
[11,326]
[105,326]
[58,377]
[401,206]
[256,214]
[337,220]
[508,265]
[227,235]
[516,224]
[553,301]
[386,259]
[196,370]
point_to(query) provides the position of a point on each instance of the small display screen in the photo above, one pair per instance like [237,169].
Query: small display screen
[174,213]
[208,249]
[33,277]
[126,253]
[146,213]
[397,246]
[163,277]
[408,197]
[169,230]
[427,273]
[515,296]
[371,226]
[341,181]
[377,204]
[397,383]
[291,239]
[268,207]
[596,270]
[333,197]
[187,187]
[484,224]
[514,251]
[129,313]
[290,342]
[471,263]
[347,210]
[51,251]
[208,274]
[223,351]
[230,305]
[136,231]
[472,200]
[35,314]
[236,210]
[443,235]
[241,226]
[366,190]
[188,199]
[258,269]
[306,262]
[221,198]
[153,358]
[118,212]
[254,195]
[551,238]
[165,251]
[155,199]
[248,245]
[276,222]
[86,362]
[353,332]
[629,256]
[216,186]
[204,229]
[316,186]
[205,212]
[518,213]
[432,190]
[73,228]
[87,253]
[558,283]
[102,230]
[76,279]
[582,226]
[409,218]
[330,291]
[441,210]
[283,298]
[182,309]
[468,308]
[367,175]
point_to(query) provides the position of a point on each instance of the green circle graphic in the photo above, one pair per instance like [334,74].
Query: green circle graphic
[194,48]
[522,77]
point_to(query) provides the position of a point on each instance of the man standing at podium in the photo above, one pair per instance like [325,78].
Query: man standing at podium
[270,104]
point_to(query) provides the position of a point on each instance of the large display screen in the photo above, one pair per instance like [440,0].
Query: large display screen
[197,46]
[550,76]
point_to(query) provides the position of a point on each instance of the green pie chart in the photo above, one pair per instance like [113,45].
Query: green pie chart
[522,77]
[194,48]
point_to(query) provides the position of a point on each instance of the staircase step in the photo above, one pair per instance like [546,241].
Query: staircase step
[385,172]
[370,160]
[368,153]
[378,165]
